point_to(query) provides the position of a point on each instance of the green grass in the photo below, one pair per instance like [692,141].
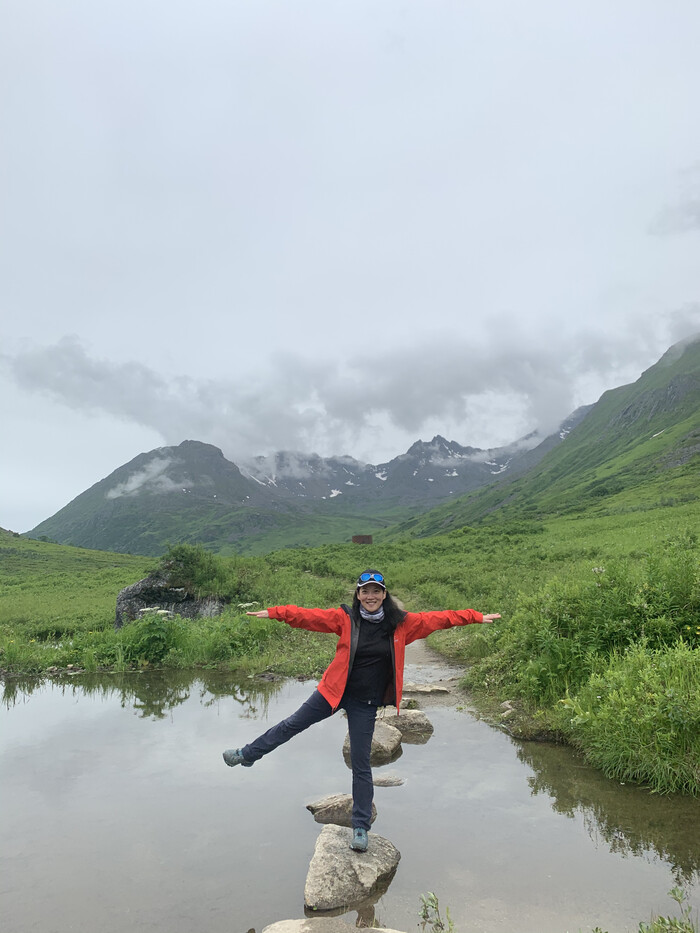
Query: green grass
[589,601]
[50,589]
[57,609]
[639,718]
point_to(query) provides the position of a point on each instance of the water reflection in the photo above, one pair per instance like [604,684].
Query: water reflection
[628,818]
[365,909]
[137,822]
[154,694]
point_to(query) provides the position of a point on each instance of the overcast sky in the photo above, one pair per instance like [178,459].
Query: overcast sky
[332,227]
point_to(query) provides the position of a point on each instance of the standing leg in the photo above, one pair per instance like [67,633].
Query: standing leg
[361,718]
[312,711]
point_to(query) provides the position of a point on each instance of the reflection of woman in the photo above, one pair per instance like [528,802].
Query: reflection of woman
[366,672]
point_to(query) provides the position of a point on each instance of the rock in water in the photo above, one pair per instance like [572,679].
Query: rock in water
[410,722]
[315,925]
[386,745]
[425,688]
[310,925]
[388,780]
[340,877]
[336,808]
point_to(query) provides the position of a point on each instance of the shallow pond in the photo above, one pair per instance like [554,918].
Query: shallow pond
[117,813]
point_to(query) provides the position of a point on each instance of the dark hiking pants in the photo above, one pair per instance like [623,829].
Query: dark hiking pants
[361,718]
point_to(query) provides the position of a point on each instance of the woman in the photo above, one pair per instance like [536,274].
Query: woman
[366,672]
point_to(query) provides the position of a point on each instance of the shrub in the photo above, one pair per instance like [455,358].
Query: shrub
[152,637]
[639,719]
[567,630]
[197,570]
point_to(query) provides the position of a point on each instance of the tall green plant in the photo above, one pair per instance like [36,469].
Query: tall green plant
[639,719]
[194,568]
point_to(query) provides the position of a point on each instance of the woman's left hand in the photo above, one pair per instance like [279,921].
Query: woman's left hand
[491,617]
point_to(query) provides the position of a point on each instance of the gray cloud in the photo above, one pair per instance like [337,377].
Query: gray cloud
[683,216]
[300,404]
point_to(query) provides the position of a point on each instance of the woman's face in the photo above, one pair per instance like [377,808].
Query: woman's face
[371,596]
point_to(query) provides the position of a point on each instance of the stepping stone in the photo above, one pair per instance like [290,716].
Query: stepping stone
[341,877]
[336,809]
[409,721]
[386,745]
[315,925]
[425,688]
[388,780]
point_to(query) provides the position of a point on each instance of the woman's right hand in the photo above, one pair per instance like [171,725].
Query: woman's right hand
[262,614]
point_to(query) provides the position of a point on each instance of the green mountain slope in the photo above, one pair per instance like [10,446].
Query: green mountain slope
[638,447]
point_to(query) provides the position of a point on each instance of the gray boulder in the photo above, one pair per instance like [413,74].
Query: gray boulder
[336,808]
[155,594]
[413,724]
[340,877]
[409,721]
[386,745]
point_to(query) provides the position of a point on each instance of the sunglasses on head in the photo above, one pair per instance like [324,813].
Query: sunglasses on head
[369,577]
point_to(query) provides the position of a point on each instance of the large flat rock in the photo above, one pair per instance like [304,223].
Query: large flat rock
[426,689]
[315,925]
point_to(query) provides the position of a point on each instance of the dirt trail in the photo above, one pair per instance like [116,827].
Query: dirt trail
[425,666]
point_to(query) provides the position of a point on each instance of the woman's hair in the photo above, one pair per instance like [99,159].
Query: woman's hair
[392,614]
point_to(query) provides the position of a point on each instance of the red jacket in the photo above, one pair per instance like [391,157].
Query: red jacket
[414,625]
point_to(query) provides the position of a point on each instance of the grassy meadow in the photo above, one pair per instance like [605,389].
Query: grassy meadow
[597,645]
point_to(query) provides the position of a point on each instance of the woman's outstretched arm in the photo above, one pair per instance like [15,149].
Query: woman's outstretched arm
[490,617]
[421,624]
[313,620]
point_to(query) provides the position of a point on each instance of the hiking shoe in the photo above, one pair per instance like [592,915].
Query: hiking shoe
[234,756]
[359,840]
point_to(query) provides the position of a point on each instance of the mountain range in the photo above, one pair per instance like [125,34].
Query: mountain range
[636,434]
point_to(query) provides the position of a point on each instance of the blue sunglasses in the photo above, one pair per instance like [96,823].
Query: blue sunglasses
[370,577]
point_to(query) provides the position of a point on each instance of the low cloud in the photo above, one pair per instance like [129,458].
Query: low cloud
[153,476]
[291,465]
[683,216]
[492,393]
